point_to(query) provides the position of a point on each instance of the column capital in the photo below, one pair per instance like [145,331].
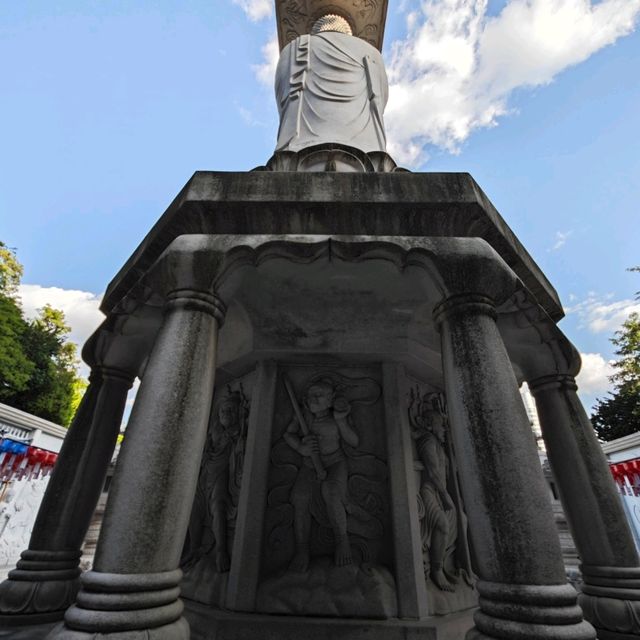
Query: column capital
[114,373]
[197,301]
[100,372]
[464,303]
[117,349]
[552,381]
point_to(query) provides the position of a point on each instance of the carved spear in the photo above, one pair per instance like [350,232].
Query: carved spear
[315,456]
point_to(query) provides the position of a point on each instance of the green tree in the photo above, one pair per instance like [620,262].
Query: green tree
[37,362]
[10,271]
[619,414]
[15,367]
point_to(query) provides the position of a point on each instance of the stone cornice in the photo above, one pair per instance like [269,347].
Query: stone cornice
[376,204]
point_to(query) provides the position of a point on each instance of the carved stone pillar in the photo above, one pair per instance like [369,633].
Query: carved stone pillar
[45,582]
[412,594]
[248,545]
[133,590]
[610,596]
[522,586]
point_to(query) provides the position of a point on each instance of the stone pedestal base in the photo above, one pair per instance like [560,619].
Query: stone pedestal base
[610,599]
[178,630]
[40,589]
[32,632]
[211,624]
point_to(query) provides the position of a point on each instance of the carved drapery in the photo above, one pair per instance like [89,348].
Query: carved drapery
[331,88]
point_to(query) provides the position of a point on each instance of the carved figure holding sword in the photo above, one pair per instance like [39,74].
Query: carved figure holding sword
[316,433]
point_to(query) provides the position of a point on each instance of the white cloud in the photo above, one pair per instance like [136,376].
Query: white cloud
[256,9]
[249,118]
[560,239]
[266,72]
[593,379]
[80,307]
[603,315]
[457,66]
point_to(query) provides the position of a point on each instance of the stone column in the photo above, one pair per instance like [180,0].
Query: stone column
[522,586]
[133,589]
[45,582]
[610,595]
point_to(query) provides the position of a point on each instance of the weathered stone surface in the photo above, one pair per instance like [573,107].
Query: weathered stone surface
[329,311]
[389,297]
[45,581]
[373,204]
[523,590]
[610,595]
[132,592]
[221,625]
[352,591]
[33,632]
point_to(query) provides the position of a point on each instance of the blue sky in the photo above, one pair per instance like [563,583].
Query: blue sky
[108,107]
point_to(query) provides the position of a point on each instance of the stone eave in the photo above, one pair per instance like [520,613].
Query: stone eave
[296,17]
[375,204]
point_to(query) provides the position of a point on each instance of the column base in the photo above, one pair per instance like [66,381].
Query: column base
[41,588]
[603,634]
[178,630]
[610,600]
[529,612]
[126,607]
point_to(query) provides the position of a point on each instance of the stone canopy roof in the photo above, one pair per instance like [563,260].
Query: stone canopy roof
[366,17]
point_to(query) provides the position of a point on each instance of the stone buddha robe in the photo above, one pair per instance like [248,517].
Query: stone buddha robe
[331,88]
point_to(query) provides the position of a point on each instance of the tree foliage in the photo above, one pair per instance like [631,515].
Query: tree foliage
[619,414]
[37,362]
[10,271]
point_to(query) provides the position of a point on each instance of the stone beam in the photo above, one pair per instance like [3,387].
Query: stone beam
[372,204]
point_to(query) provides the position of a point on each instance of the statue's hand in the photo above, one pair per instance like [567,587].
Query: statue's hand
[341,408]
[309,445]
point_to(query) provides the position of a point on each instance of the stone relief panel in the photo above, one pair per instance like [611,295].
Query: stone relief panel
[326,547]
[443,522]
[207,554]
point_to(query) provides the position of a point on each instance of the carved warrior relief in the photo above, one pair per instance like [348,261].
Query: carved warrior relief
[367,17]
[442,518]
[213,516]
[327,504]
